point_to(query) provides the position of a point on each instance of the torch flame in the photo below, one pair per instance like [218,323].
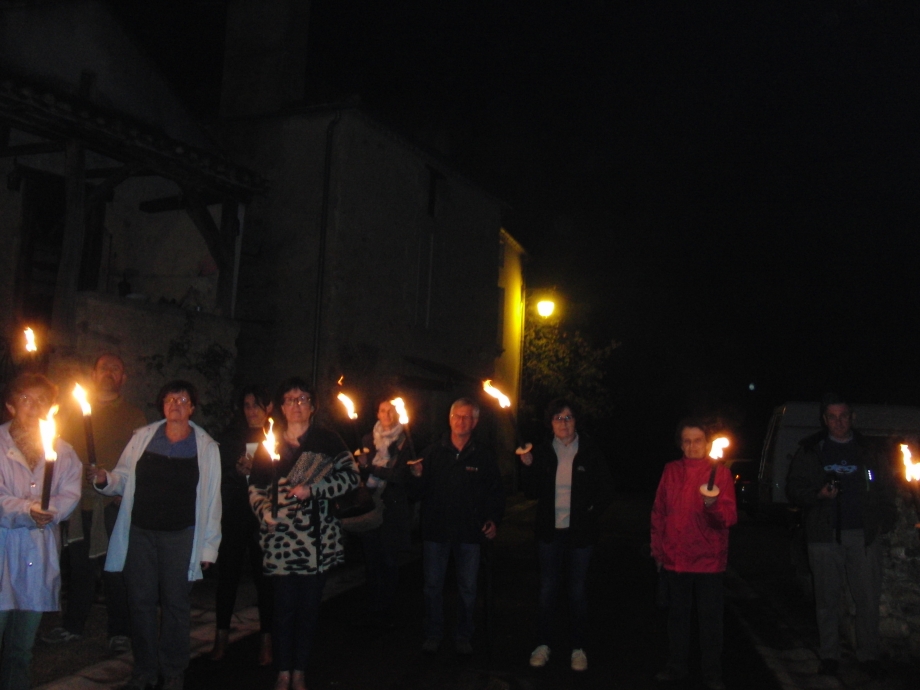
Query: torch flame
[80,395]
[401,410]
[503,400]
[911,469]
[341,378]
[48,431]
[269,441]
[717,446]
[30,341]
[349,405]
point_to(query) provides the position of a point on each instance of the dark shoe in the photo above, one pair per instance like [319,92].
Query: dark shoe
[174,683]
[873,668]
[669,675]
[119,644]
[828,667]
[59,635]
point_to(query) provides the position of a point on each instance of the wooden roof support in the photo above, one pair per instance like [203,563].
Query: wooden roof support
[65,291]
[220,242]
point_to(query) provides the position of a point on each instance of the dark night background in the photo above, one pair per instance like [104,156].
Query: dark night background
[729,189]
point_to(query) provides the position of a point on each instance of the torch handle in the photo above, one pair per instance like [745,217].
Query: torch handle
[274,489]
[90,439]
[712,478]
[46,484]
[409,439]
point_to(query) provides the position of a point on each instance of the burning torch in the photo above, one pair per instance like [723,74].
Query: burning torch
[87,409]
[710,490]
[272,448]
[505,403]
[48,431]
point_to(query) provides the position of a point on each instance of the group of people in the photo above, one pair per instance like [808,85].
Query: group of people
[164,501]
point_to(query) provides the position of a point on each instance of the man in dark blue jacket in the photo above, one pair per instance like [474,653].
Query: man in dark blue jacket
[462,503]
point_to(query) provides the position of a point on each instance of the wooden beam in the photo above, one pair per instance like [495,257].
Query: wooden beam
[65,291]
[32,149]
[219,242]
[104,190]
[175,203]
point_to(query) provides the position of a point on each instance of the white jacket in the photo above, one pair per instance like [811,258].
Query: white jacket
[121,482]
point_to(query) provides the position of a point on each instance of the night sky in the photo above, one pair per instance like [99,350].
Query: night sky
[729,189]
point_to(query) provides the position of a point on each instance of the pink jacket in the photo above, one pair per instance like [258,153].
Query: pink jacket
[687,537]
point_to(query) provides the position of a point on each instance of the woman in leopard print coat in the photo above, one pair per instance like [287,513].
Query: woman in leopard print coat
[304,541]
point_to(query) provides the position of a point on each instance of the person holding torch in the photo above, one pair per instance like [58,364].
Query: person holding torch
[30,574]
[571,481]
[689,530]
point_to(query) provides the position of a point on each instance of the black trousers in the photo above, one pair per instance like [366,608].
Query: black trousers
[238,546]
[707,589]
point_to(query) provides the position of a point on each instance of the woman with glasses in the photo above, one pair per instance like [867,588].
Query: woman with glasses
[239,527]
[167,531]
[30,574]
[304,541]
[570,479]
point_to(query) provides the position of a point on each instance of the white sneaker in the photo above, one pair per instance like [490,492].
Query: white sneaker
[539,656]
[579,660]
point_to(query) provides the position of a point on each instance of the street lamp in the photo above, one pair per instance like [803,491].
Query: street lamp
[546,307]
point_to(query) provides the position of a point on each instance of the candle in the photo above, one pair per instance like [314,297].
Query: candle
[48,434]
[272,449]
[505,403]
[710,490]
[87,409]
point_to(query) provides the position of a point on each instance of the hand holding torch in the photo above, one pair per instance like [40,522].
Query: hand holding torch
[710,490]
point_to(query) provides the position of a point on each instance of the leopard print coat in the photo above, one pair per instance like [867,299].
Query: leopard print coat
[308,538]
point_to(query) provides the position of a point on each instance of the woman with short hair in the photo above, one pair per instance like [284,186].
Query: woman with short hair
[167,532]
[305,540]
[30,572]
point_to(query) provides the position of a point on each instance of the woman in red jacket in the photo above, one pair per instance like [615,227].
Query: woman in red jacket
[690,544]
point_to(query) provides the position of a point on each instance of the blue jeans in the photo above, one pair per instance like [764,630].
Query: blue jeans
[554,556]
[156,575]
[466,562]
[17,635]
[297,601]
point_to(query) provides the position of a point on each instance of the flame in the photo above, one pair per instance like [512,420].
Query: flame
[30,341]
[503,400]
[80,395]
[401,410]
[349,405]
[269,441]
[48,430]
[717,446]
[911,469]
[341,378]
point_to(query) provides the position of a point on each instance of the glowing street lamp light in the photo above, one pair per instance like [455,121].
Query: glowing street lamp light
[546,307]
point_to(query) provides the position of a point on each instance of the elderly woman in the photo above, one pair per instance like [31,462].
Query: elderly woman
[305,540]
[571,481]
[167,532]
[239,527]
[30,574]
[383,462]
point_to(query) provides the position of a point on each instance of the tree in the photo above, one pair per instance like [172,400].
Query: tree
[561,364]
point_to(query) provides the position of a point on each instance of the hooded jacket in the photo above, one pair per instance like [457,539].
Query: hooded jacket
[688,537]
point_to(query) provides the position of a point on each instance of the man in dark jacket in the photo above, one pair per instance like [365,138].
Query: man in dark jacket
[837,479]
[462,502]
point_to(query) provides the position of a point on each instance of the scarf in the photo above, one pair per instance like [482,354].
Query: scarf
[28,442]
[383,439]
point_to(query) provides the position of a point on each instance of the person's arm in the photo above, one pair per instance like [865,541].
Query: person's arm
[723,511]
[211,532]
[494,492]
[802,488]
[113,483]
[659,518]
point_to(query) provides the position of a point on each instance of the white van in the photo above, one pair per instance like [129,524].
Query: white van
[794,421]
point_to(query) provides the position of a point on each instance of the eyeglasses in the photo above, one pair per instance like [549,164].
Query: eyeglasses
[40,401]
[462,417]
[176,400]
[299,401]
[563,419]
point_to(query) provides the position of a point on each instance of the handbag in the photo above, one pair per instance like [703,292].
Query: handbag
[353,503]
[365,521]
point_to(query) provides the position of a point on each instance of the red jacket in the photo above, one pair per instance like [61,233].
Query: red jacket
[687,537]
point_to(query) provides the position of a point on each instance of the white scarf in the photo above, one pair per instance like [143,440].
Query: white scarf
[383,439]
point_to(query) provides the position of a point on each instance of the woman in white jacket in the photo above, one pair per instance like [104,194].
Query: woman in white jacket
[167,532]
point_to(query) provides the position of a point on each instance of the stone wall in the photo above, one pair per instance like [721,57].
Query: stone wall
[900,606]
